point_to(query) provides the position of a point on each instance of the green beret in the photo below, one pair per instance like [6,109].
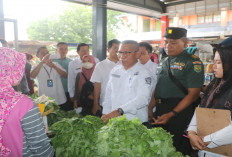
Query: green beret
[175,33]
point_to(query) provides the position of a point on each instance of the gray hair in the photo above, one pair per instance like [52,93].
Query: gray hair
[131,42]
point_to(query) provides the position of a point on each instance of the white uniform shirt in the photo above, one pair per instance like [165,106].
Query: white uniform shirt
[73,69]
[152,67]
[130,90]
[57,90]
[101,75]
[218,138]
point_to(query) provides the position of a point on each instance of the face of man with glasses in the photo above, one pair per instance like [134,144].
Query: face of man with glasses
[145,55]
[128,54]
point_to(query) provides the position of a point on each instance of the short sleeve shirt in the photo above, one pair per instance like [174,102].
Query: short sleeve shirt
[188,69]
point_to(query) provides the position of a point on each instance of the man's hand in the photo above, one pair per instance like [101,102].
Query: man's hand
[45,58]
[75,104]
[162,120]
[50,64]
[112,114]
[95,109]
[196,141]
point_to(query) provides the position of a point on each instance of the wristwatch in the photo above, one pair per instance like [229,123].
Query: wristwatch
[120,111]
[175,113]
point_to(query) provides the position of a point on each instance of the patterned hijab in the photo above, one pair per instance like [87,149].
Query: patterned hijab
[87,72]
[220,86]
[12,66]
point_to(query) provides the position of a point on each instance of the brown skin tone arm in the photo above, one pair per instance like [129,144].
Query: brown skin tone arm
[151,106]
[203,89]
[61,72]
[110,115]
[35,71]
[193,94]
[97,91]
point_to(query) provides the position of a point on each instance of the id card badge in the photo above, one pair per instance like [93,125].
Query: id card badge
[49,83]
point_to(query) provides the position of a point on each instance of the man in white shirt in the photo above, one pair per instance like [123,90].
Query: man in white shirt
[75,67]
[101,74]
[129,88]
[48,75]
[145,50]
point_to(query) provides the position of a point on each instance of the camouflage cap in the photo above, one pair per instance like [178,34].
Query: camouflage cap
[175,33]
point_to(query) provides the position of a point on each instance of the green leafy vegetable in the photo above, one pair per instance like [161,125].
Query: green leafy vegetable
[89,137]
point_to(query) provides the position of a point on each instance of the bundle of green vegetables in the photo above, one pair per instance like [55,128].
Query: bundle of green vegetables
[76,137]
[88,137]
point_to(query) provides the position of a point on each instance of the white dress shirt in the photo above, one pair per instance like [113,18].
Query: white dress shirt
[73,69]
[218,138]
[57,90]
[101,75]
[130,90]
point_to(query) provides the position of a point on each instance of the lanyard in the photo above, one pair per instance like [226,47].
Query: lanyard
[47,71]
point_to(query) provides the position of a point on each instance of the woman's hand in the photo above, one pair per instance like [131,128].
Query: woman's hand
[196,141]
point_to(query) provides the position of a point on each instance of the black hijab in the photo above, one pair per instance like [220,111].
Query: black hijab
[226,58]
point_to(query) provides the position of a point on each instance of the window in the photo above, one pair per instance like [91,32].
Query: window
[158,25]
[171,22]
[216,17]
[208,18]
[201,19]
[146,25]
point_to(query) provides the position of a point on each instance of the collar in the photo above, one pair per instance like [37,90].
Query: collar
[109,61]
[133,68]
[181,54]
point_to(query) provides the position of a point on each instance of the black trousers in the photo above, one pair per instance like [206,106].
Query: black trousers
[177,125]
[68,105]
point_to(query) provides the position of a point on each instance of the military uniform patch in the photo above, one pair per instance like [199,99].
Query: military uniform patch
[148,80]
[197,62]
[177,67]
[197,68]
[195,57]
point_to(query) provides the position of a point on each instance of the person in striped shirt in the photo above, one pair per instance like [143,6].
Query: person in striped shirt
[22,130]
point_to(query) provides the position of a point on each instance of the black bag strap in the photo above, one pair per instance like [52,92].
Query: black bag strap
[84,77]
[177,82]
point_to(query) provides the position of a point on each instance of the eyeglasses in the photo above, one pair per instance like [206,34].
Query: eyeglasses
[144,53]
[125,53]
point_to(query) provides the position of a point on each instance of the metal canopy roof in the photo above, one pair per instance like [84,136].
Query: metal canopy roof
[150,8]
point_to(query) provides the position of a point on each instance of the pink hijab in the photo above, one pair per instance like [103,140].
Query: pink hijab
[12,66]
[87,72]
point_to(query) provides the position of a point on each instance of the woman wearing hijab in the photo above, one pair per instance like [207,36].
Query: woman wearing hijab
[218,95]
[21,127]
[83,96]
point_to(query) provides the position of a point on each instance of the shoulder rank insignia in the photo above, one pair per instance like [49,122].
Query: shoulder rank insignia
[197,68]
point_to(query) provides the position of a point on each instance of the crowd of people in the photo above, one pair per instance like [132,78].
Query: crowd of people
[129,82]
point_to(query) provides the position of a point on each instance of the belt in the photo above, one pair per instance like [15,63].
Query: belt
[167,100]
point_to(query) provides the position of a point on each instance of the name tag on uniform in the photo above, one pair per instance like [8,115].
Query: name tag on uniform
[49,83]
[137,73]
[115,75]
